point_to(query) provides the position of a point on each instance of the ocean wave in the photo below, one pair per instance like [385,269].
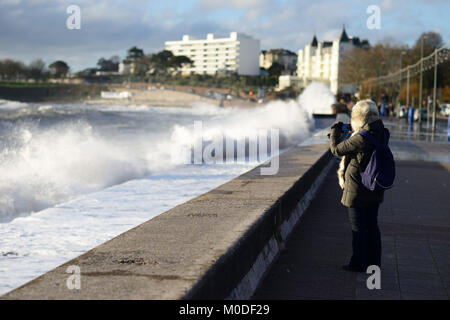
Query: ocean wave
[43,165]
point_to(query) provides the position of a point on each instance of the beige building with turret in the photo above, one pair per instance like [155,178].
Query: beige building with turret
[321,61]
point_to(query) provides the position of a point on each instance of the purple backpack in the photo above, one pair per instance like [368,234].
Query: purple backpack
[380,171]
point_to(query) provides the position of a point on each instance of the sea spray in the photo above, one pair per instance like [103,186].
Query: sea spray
[51,154]
[40,168]
[317,99]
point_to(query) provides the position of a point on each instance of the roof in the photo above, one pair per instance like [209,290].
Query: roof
[356,41]
[344,37]
[283,52]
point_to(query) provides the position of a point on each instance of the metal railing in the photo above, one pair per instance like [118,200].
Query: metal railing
[439,56]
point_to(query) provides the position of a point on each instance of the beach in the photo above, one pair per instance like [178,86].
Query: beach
[166,98]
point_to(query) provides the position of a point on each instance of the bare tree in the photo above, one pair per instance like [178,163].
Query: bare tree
[386,57]
[12,70]
[36,69]
[363,63]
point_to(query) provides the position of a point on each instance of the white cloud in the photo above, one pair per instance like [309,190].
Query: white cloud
[234,4]
[387,5]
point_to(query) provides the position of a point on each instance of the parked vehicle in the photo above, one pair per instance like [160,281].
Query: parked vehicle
[402,113]
[219,96]
[445,109]
[424,114]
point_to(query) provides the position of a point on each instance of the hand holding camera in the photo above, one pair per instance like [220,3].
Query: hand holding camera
[342,127]
[346,127]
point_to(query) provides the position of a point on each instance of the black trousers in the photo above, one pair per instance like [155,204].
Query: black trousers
[366,240]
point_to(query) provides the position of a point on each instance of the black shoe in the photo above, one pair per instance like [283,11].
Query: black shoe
[347,267]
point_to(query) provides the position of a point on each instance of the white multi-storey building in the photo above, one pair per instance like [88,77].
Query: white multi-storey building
[320,61]
[238,53]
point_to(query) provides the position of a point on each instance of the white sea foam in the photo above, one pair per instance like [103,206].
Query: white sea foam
[317,99]
[41,167]
[11,105]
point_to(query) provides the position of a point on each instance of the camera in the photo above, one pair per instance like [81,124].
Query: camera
[346,127]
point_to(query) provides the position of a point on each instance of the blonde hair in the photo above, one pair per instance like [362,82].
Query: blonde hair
[364,112]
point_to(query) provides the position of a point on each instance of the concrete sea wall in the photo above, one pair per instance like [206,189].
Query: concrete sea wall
[215,246]
[57,93]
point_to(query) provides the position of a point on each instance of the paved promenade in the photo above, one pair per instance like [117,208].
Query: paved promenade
[415,227]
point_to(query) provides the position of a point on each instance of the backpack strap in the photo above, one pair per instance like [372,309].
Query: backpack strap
[366,135]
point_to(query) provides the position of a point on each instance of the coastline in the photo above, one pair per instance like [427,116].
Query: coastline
[91,95]
[168,98]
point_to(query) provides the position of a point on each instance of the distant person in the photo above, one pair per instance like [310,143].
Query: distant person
[383,109]
[350,105]
[339,107]
[362,204]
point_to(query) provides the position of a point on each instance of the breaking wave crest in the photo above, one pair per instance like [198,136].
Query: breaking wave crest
[41,166]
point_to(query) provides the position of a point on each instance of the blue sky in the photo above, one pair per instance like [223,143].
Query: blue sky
[37,28]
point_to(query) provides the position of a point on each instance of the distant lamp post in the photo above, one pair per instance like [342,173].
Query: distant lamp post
[433,125]
[421,78]
[400,82]
[407,86]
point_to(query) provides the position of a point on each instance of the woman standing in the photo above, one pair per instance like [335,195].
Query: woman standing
[362,203]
